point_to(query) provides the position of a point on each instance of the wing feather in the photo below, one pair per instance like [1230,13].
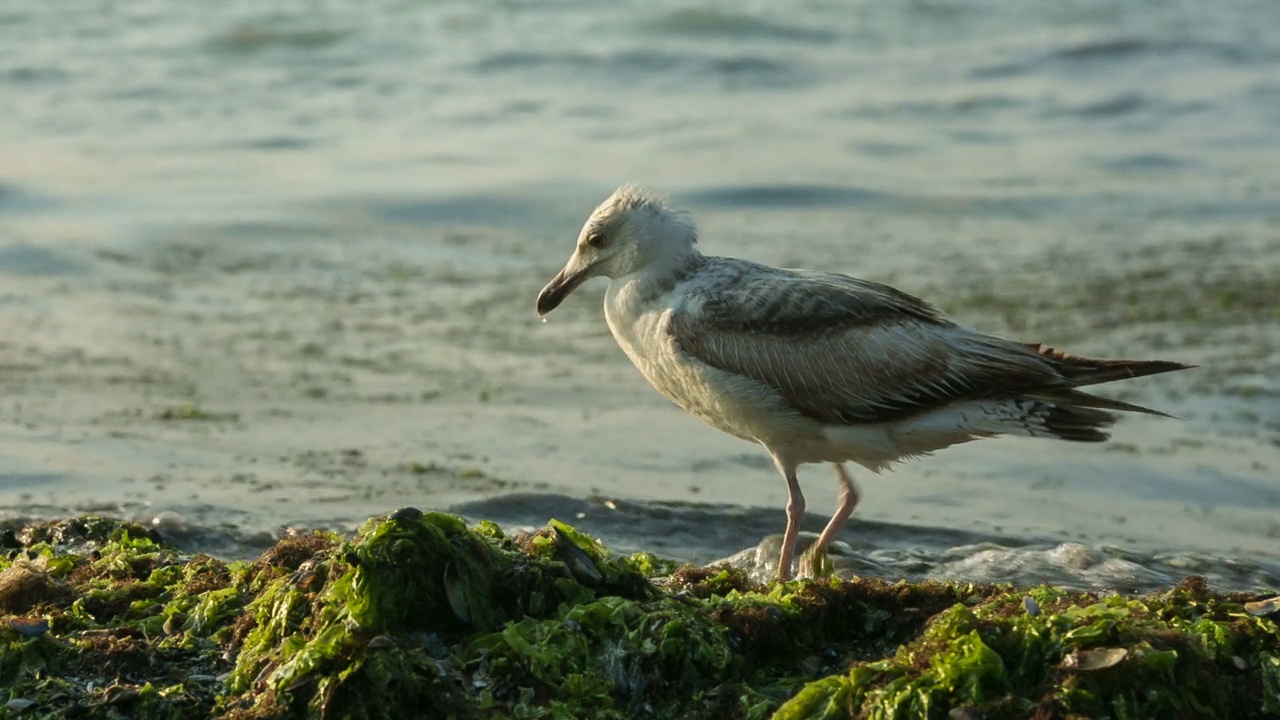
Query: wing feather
[847,351]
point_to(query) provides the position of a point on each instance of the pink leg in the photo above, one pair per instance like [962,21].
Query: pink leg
[848,501]
[795,513]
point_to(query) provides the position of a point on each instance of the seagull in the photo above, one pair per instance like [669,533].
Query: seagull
[819,367]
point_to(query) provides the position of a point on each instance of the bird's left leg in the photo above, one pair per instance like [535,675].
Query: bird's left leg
[848,501]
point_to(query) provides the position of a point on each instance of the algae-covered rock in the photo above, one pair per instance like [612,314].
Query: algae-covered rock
[418,615]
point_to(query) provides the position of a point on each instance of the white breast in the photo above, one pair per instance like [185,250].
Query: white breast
[734,404]
[639,330]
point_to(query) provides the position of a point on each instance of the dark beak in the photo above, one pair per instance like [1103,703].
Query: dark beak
[559,288]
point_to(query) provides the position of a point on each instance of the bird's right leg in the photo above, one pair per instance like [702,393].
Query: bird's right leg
[813,562]
[795,513]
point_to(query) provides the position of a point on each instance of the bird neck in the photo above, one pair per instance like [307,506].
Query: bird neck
[664,274]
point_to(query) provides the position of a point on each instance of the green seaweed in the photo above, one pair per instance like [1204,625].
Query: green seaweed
[1187,653]
[419,614]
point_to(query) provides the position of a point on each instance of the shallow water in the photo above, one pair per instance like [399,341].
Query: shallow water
[261,269]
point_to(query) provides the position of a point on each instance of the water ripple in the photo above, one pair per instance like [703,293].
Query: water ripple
[705,533]
[782,196]
[730,72]
[1113,51]
[708,23]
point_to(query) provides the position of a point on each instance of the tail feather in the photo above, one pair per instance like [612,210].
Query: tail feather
[1077,415]
[1079,398]
[1078,424]
[1038,417]
[1080,370]
[1049,405]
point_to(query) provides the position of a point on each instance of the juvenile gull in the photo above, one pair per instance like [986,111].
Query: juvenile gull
[816,366]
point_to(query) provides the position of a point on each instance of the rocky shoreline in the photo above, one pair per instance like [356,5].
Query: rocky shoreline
[417,613]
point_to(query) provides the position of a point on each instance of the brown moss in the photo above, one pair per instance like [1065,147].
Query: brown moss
[240,628]
[209,574]
[83,573]
[291,552]
[703,582]
[841,620]
[1193,585]
[117,652]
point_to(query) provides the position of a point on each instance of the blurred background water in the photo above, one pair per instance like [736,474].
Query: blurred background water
[274,264]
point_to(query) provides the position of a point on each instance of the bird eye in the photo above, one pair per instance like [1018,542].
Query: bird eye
[596,240]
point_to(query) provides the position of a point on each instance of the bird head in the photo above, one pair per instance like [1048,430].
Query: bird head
[634,230]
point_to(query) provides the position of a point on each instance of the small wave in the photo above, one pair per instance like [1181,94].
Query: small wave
[14,198]
[474,210]
[1111,51]
[26,75]
[685,531]
[277,142]
[782,196]
[1104,48]
[1125,104]
[970,105]
[1070,565]
[1144,163]
[1122,104]
[704,23]
[886,149]
[251,38]
[9,194]
[29,260]
[730,72]
[710,533]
